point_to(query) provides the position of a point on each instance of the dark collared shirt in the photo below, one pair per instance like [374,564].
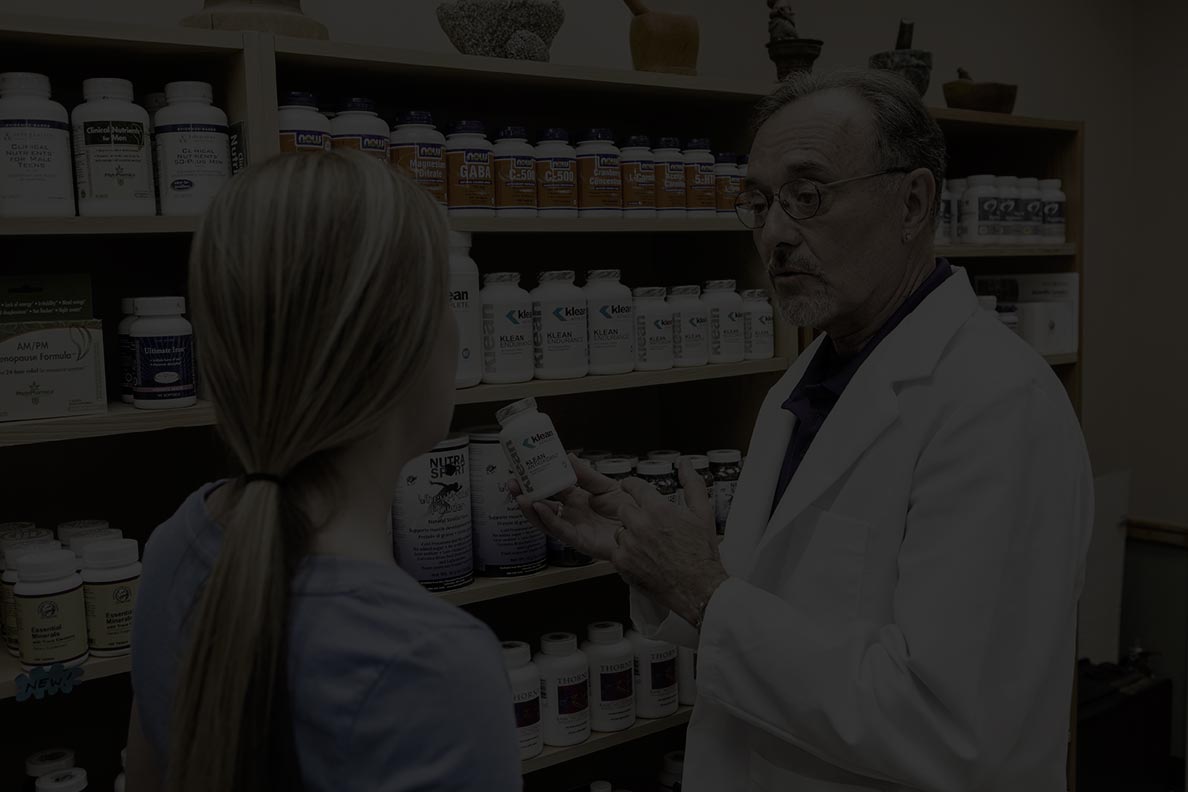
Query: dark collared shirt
[826,378]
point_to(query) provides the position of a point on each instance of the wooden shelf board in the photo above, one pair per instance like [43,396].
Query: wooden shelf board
[486,589]
[120,419]
[127,37]
[1158,532]
[1004,251]
[544,225]
[96,226]
[95,668]
[1062,360]
[947,116]
[599,741]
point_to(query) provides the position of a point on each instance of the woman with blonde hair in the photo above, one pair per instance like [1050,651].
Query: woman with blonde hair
[277,646]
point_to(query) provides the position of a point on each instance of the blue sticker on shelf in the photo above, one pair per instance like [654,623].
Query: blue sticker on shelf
[41,682]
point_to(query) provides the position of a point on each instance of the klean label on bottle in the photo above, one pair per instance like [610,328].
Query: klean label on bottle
[507,338]
[556,183]
[164,368]
[653,341]
[559,334]
[53,627]
[375,145]
[304,140]
[639,185]
[671,190]
[701,187]
[728,188]
[758,333]
[424,163]
[600,181]
[34,164]
[611,326]
[515,182]
[471,179]
[109,613]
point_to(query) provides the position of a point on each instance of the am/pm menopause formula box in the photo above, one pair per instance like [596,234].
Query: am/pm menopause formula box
[51,350]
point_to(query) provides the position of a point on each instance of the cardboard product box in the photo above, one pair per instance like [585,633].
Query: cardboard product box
[51,349]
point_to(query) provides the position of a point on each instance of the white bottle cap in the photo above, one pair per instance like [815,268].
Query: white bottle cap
[605,632]
[720,285]
[24,84]
[127,306]
[515,408]
[596,455]
[79,543]
[501,277]
[15,537]
[189,90]
[110,553]
[603,274]
[516,654]
[613,467]
[1029,182]
[674,763]
[665,454]
[1050,184]
[460,239]
[559,644]
[49,761]
[50,565]
[957,184]
[754,294]
[15,529]
[69,530]
[685,291]
[601,786]
[159,306]
[650,292]
[654,467]
[987,302]
[107,88]
[698,461]
[1007,181]
[16,551]
[982,180]
[154,101]
[724,456]
[557,275]
[72,780]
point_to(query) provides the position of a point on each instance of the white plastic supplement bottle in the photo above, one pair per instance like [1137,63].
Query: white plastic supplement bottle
[758,325]
[153,103]
[673,771]
[43,763]
[1010,213]
[1055,231]
[744,166]
[72,780]
[726,467]
[700,178]
[979,209]
[417,149]
[8,609]
[507,329]
[68,530]
[944,225]
[662,477]
[193,149]
[564,690]
[515,174]
[655,676]
[113,160]
[653,329]
[686,676]
[470,170]
[35,167]
[600,175]
[505,543]
[164,354]
[639,178]
[525,678]
[957,189]
[51,612]
[559,329]
[612,683]
[725,309]
[127,349]
[302,127]
[727,183]
[431,530]
[611,312]
[111,577]
[671,195]
[81,542]
[601,786]
[1032,201]
[690,326]
[556,175]
[358,127]
[534,451]
[467,308]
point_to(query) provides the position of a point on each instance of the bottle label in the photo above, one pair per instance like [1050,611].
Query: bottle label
[689,336]
[464,301]
[35,165]
[532,455]
[615,681]
[573,699]
[528,717]
[505,543]
[424,163]
[375,145]
[653,342]
[293,141]
[1054,221]
[664,675]
[611,333]
[515,182]
[127,365]
[758,334]
[194,162]
[1033,216]
[112,161]
[432,530]
[507,339]
[726,332]
[556,180]
[8,612]
[982,217]
[639,185]
[53,628]
[600,181]
[1015,213]
[728,188]
[723,499]
[472,180]
[559,335]
[109,613]
[671,190]
[701,186]
[164,368]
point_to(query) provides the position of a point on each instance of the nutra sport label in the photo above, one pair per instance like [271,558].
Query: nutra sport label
[432,529]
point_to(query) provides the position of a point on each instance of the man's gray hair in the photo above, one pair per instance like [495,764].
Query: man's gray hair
[907,136]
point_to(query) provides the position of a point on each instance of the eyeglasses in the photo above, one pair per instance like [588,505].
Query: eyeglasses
[800,199]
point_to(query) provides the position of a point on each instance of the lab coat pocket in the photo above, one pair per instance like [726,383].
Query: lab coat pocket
[811,776]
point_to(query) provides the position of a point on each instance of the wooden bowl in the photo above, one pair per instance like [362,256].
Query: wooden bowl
[989,97]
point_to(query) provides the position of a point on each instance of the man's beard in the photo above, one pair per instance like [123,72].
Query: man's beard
[805,310]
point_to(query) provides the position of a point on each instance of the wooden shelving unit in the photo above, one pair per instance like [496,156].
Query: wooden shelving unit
[601,741]
[95,668]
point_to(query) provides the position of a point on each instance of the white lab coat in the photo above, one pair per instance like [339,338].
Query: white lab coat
[906,619]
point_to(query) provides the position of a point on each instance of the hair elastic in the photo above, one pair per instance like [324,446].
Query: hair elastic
[270,477]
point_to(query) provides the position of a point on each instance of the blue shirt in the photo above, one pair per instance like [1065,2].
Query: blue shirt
[826,378]
[391,689]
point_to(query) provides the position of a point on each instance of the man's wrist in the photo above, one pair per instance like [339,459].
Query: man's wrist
[702,594]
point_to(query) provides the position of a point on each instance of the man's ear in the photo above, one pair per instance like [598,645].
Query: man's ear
[919,200]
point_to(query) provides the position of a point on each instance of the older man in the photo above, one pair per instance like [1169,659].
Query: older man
[893,607]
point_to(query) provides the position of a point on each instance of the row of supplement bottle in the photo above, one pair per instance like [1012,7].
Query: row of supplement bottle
[66,599]
[110,157]
[54,770]
[1002,210]
[513,178]
[565,693]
